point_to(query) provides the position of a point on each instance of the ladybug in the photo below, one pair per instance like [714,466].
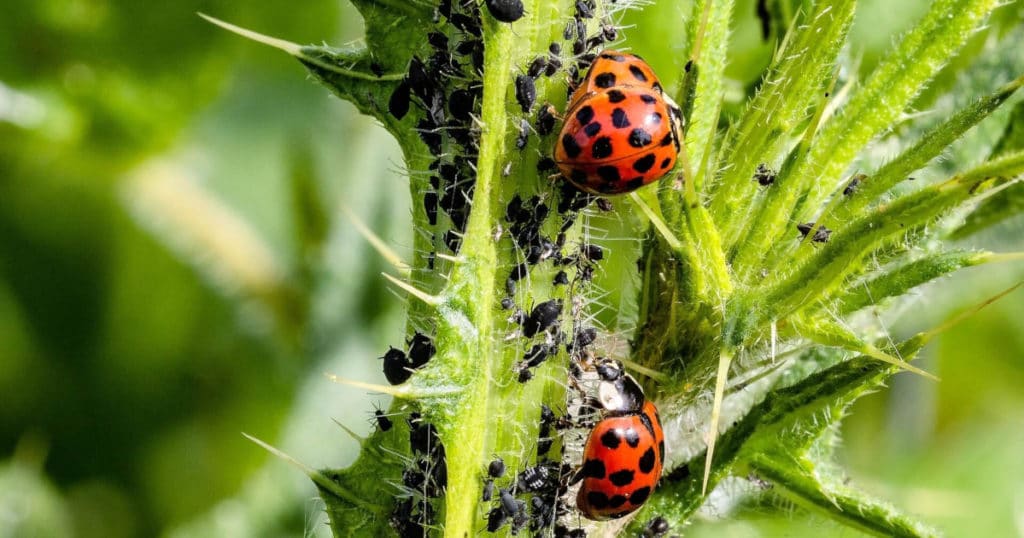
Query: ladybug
[621,131]
[624,454]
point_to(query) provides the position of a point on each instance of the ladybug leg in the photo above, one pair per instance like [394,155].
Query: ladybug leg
[576,477]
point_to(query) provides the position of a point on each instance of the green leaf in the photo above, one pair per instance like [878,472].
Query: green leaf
[896,281]
[802,67]
[917,156]
[1008,203]
[800,480]
[844,252]
[872,109]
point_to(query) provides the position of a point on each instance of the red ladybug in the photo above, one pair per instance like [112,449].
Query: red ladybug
[621,132]
[621,464]
[625,452]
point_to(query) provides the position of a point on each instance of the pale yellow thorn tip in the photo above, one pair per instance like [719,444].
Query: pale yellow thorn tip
[384,389]
[376,242]
[277,452]
[878,354]
[313,474]
[724,360]
[358,438]
[450,258]
[291,48]
[432,300]
[657,221]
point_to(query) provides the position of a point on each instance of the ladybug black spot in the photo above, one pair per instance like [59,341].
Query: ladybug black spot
[615,96]
[592,129]
[578,176]
[613,57]
[604,80]
[643,164]
[597,500]
[611,439]
[621,478]
[593,469]
[666,162]
[638,73]
[647,461]
[666,140]
[620,119]
[572,149]
[639,496]
[639,138]
[609,174]
[584,115]
[634,183]
[617,501]
[648,98]
[632,438]
[602,148]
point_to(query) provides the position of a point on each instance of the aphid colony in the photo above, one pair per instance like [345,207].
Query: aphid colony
[620,132]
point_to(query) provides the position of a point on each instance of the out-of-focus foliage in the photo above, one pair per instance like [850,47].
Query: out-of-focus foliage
[129,362]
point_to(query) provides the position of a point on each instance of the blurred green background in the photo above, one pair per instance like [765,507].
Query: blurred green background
[175,269]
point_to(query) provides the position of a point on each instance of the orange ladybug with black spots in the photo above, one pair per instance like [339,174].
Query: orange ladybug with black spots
[621,131]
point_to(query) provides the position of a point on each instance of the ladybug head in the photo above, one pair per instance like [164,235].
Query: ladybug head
[618,392]
[609,369]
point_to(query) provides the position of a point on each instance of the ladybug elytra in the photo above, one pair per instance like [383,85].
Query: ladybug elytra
[621,131]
